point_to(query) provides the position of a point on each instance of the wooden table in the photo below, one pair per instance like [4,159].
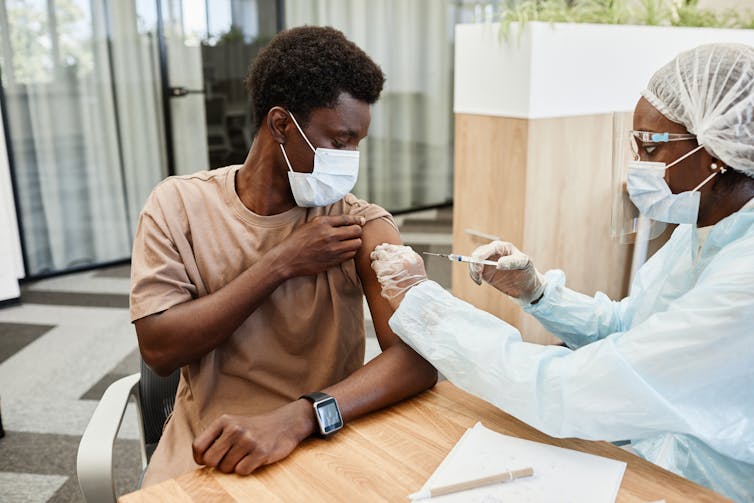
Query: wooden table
[387,455]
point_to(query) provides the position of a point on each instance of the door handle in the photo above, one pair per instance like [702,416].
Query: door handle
[180,91]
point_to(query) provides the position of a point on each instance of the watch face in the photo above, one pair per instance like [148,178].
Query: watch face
[329,415]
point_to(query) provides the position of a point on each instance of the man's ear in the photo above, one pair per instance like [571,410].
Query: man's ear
[277,122]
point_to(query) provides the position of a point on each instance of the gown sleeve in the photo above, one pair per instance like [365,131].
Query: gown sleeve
[575,318]
[686,369]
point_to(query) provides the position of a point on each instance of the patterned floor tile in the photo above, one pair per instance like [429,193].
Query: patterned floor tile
[39,467]
[129,365]
[119,271]
[15,336]
[29,487]
[64,298]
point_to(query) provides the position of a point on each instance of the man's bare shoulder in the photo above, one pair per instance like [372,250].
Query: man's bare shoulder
[371,212]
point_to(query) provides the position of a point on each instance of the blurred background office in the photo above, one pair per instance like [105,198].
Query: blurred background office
[102,99]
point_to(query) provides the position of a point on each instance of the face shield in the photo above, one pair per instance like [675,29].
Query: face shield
[627,225]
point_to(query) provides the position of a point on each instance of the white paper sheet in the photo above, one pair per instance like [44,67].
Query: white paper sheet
[560,475]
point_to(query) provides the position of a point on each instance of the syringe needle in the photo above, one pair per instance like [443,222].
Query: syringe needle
[461,258]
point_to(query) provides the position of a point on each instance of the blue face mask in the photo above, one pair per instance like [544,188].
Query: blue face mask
[650,193]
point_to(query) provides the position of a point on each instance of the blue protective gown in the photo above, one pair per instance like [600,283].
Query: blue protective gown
[671,367]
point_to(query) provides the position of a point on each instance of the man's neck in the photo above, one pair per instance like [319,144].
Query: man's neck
[261,183]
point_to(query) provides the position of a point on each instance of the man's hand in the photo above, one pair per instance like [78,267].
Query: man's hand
[241,444]
[320,244]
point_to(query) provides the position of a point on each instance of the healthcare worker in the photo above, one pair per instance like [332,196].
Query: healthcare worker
[672,366]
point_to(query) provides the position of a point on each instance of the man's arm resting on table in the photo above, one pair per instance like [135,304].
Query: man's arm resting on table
[242,444]
[186,332]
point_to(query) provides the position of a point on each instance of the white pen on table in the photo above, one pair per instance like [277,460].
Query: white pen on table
[453,257]
[505,476]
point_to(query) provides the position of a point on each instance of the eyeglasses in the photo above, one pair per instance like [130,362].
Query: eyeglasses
[645,139]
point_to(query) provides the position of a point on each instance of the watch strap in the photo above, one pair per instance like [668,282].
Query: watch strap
[315,396]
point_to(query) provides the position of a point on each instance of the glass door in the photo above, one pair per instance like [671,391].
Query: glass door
[207,48]
[104,99]
[83,108]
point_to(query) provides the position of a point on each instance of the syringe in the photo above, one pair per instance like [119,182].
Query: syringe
[453,257]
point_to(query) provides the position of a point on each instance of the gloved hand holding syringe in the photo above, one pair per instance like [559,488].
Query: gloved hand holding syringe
[454,257]
[399,268]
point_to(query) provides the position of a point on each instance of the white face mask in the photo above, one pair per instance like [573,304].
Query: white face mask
[650,193]
[334,175]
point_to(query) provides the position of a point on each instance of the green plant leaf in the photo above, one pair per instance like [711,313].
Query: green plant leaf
[641,12]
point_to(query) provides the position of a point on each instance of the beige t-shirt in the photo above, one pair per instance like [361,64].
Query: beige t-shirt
[195,236]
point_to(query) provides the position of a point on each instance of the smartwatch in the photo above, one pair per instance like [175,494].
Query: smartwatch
[326,411]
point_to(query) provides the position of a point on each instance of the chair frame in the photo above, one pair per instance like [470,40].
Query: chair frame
[154,396]
[94,463]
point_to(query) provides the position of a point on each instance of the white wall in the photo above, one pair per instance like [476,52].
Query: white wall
[11,262]
[550,71]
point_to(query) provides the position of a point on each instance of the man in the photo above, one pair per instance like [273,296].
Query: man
[250,278]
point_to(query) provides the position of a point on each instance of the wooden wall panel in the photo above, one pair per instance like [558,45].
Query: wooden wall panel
[568,207]
[546,186]
[488,197]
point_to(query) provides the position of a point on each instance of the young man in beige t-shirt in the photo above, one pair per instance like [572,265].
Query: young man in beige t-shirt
[251,278]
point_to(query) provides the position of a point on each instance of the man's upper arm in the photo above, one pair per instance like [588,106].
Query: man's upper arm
[376,232]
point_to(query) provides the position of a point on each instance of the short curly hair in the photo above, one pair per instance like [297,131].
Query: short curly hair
[309,67]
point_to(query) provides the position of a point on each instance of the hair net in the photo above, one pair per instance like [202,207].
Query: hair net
[710,90]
